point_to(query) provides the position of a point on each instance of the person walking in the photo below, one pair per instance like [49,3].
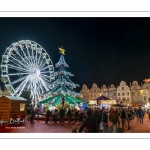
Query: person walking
[104,120]
[76,116]
[55,115]
[140,114]
[61,116]
[128,118]
[69,116]
[32,116]
[114,118]
[81,116]
[89,123]
[96,115]
[48,115]
[123,118]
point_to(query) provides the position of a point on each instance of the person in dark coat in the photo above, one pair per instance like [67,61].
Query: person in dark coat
[123,118]
[140,114]
[81,116]
[69,116]
[32,116]
[55,115]
[104,120]
[48,115]
[61,115]
[89,123]
[97,116]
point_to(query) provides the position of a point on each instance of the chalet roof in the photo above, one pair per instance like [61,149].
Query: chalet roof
[16,98]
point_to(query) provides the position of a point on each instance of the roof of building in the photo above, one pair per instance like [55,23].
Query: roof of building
[16,98]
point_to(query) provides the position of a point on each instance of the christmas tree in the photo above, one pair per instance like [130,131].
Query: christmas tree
[62,85]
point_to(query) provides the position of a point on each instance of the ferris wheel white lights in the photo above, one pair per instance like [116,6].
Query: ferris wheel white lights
[26,66]
[38,72]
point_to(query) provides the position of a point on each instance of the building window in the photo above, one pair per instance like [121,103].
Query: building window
[94,90]
[122,94]
[91,95]
[122,88]
[22,107]
[146,87]
[145,98]
[110,94]
[118,94]
[87,95]
[128,93]
[135,87]
[144,92]
[114,94]
[132,93]
[106,94]
[128,99]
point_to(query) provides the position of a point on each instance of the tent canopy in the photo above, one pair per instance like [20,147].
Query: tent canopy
[102,98]
[55,100]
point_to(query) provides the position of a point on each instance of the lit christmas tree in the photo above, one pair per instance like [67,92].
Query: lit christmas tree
[62,88]
[62,83]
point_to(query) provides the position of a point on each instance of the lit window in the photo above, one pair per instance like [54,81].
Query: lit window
[22,107]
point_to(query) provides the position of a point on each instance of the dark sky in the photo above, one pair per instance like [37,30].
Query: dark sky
[98,50]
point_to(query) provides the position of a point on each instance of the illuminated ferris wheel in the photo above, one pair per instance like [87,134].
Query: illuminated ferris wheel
[26,66]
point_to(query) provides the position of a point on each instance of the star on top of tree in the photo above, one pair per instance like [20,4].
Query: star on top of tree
[62,51]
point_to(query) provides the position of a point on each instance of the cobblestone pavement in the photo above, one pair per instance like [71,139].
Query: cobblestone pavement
[41,127]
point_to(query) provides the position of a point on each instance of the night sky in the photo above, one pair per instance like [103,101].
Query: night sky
[98,50]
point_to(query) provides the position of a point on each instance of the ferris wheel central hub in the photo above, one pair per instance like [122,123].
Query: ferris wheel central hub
[38,72]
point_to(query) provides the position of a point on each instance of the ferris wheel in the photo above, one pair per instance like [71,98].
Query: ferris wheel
[26,66]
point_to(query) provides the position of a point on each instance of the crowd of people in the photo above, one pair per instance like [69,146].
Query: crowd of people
[96,120]
[119,118]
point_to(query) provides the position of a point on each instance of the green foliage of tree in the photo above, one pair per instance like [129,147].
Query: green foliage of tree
[26,94]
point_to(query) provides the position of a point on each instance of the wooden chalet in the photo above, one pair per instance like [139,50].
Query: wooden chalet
[11,106]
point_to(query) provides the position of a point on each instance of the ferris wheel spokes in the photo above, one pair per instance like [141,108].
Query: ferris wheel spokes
[18,62]
[21,86]
[18,80]
[29,54]
[49,66]
[16,67]
[27,58]
[24,56]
